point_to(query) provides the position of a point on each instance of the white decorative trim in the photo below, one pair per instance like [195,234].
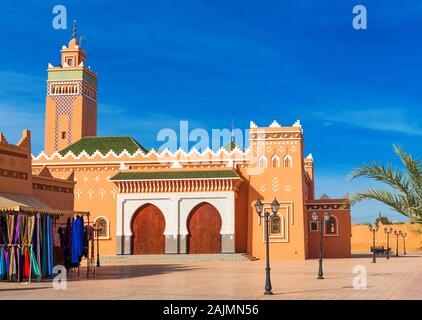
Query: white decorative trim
[141,156]
[262,162]
[290,161]
[107,237]
[277,158]
[252,125]
[297,124]
[275,124]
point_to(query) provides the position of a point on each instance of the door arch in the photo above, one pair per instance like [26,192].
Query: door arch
[204,226]
[148,226]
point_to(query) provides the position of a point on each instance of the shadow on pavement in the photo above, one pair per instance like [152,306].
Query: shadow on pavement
[129,271]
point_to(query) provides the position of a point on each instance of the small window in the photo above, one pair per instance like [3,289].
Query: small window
[64,135]
[314,226]
[331,226]
[102,227]
[275,224]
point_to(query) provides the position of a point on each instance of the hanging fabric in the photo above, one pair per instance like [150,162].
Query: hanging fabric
[11,259]
[35,272]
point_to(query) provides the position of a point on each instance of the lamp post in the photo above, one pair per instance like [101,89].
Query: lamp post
[98,229]
[404,234]
[374,228]
[321,226]
[388,231]
[397,234]
[259,206]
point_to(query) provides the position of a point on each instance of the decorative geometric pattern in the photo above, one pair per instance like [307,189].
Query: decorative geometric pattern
[275,184]
[64,106]
[13,174]
[51,188]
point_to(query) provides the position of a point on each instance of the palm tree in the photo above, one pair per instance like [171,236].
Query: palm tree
[406,196]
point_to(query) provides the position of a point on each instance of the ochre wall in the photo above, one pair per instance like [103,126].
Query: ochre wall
[333,246]
[15,165]
[282,182]
[58,194]
[362,237]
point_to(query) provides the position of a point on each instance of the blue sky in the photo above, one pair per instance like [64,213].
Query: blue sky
[211,62]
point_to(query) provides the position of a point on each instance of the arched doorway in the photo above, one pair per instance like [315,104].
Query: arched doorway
[148,231]
[204,226]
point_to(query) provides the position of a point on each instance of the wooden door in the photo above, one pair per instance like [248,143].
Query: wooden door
[204,225]
[148,231]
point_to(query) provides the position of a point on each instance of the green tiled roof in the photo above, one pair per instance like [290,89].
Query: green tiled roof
[104,145]
[162,175]
[63,74]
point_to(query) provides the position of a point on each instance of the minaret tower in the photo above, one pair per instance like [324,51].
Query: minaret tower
[71,104]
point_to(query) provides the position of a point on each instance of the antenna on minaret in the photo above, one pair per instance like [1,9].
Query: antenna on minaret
[232,133]
[74,29]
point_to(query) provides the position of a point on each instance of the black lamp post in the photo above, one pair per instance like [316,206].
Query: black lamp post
[374,228]
[388,231]
[321,226]
[404,234]
[259,206]
[397,234]
[98,229]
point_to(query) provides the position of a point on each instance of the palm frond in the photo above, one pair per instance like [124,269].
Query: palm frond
[394,178]
[407,183]
[413,167]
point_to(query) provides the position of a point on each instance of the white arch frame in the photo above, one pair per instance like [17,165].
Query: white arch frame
[176,208]
[107,237]
[290,161]
[262,162]
[277,158]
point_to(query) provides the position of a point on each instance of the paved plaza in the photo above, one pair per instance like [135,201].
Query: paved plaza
[397,278]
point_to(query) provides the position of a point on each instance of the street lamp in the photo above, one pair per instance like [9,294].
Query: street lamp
[321,226]
[98,229]
[259,206]
[397,234]
[374,228]
[388,231]
[404,234]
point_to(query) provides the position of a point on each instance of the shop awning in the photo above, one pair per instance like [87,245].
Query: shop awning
[12,202]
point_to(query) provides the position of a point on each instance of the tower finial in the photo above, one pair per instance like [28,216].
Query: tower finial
[74,29]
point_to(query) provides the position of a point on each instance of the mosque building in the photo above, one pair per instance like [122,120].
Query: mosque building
[183,202]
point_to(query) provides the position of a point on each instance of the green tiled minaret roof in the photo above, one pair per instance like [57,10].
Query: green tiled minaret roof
[104,145]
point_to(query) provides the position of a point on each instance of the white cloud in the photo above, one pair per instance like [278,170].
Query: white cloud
[383,119]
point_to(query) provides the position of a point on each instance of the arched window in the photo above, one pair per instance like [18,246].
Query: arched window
[275,161]
[103,227]
[331,226]
[262,162]
[287,162]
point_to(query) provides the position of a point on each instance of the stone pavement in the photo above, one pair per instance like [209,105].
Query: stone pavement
[398,278]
